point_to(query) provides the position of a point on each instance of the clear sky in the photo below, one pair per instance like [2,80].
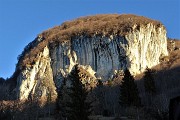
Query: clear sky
[22,20]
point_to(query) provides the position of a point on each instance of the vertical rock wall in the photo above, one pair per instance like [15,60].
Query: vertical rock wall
[137,50]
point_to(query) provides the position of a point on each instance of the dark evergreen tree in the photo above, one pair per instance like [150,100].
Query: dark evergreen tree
[79,108]
[62,101]
[129,95]
[149,83]
[2,80]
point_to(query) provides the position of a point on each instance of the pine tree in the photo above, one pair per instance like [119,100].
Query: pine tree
[129,95]
[62,101]
[149,83]
[79,108]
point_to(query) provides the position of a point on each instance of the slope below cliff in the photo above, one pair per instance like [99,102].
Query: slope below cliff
[101,44]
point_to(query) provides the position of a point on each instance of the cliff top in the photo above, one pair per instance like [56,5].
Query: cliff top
[106,24]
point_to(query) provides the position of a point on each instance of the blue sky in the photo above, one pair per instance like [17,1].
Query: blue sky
[22,20]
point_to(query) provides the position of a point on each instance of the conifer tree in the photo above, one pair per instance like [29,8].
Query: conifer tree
[149,83]
[79,108]
[62,101]
[129,95]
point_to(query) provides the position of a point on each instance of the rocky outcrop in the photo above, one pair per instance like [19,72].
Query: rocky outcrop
[135,51]
[37,81]
[100,55]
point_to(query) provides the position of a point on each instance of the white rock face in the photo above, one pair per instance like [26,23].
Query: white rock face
[145,47]
[37,82]
[104,55]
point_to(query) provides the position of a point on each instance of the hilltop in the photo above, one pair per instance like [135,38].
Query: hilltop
[102,47]
[106,25]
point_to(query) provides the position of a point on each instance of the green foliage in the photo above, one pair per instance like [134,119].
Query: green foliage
[129,95]
[79,108]
[149,83]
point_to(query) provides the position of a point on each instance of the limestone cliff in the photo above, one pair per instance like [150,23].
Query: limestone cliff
[37,81]
[99,44]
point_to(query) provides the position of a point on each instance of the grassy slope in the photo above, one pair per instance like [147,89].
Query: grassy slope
[166,78]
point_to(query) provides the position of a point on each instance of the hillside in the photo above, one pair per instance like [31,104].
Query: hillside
[166,77]
[102,47]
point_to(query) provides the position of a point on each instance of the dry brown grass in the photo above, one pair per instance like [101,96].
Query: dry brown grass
[167,80]
[106,24]
[174,58]
[98,24]
[23,110]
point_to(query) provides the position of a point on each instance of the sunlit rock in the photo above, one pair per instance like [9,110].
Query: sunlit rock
[99,55]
